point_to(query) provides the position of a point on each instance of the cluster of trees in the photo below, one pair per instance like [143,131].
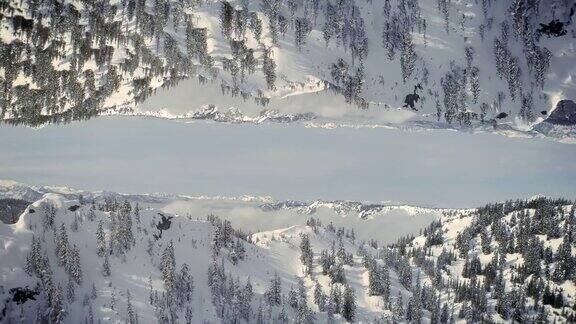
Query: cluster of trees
[228,239]
[340,299]
[231,297]
[349,80]
[173,303]
[397,33]
[521,292]
[176,298]
[97,31]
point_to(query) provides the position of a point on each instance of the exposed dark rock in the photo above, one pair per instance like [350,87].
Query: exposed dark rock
[73,208]
[163,225]
[502,115]
[31,211]
[564,114]
[21,295]
[411,99]
[554,28]
[10,209]
[544,112]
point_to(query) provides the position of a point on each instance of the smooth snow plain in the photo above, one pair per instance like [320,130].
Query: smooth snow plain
[437,168]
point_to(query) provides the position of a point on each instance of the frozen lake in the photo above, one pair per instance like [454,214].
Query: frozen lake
[433,168]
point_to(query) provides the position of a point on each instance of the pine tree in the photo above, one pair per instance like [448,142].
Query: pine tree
[306,254]
[74,265]
[514,82]
[57,311]
[301,29]
[319,297]
[70,291]
[100,240]
[90,314]
[475,83]
[49,213]
[565,261]
[137,213]
[92,211]
[376,280]
[185,286]
[113,299]
[132,317]
[337,273]
[527,110]
[106,266]
[282,316]
[269,68]
[273,294]
[246,300]
[226,17]
[414,310]
[188,315]
[168,268]
[304,314]
[349,304]
[259,315]
[62,246]
[93,291]
[408,57]
[398,309]
[444,315]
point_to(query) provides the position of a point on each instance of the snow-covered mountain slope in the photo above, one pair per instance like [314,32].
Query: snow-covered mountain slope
[506,262]
[455,61]
[119,262]
[115,260]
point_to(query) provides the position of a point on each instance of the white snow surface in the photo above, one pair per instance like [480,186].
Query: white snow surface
[274,251]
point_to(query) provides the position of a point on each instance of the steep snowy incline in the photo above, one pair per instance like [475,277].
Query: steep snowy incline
[115,261]
[74,260]
[445,62]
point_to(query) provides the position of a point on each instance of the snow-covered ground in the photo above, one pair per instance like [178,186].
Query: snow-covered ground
[429,41]
[77,256]
[436,168]
[275,250]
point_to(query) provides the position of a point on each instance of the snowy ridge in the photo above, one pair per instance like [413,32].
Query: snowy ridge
[363,210]
[213,113]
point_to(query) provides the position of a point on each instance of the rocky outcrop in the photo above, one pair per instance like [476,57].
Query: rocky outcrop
[10,209]
[564,114]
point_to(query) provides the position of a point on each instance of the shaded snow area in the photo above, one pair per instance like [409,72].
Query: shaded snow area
[436,168]
[76,256]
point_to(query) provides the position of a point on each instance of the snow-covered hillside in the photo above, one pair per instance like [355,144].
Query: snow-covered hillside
[113,261]
[453,62]
[121,259]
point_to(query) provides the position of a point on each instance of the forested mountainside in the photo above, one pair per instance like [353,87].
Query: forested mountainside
[455,61]
[75,260]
